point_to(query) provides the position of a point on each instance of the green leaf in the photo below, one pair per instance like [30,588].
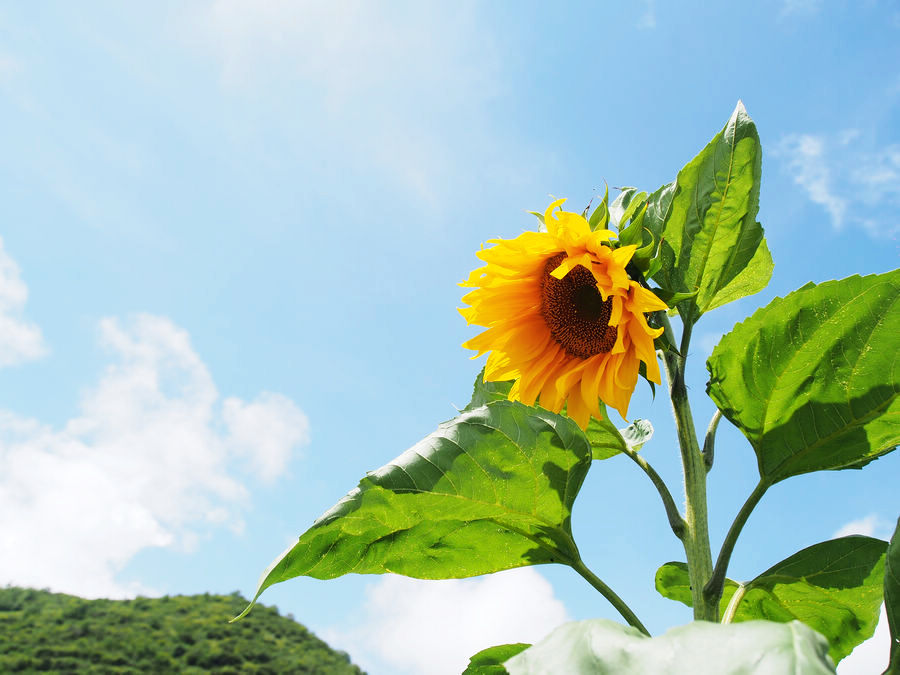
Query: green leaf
[699,648]
[712,242]
[834,587]
[490,490]
[600,217]
[488,392]
[892,598]
[812,379]
[673,582]
[625,205]
[605,439]
[672,298]
[490,661]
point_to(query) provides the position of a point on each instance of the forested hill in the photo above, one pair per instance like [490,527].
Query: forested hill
[43,631]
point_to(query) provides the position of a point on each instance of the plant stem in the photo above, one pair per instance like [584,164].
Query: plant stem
[709,443]
[713,589]
[696,533]
[731,610]
[610,595]
[676,522]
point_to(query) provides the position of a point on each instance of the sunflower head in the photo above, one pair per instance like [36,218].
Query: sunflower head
[563,318]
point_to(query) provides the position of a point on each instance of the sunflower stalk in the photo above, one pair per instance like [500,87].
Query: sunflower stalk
[696,529]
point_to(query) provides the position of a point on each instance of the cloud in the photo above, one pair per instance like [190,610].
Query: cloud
[805,158]
[872,655]
[20,340]
[870,526]
[149,461]
[855,186]
[433,627]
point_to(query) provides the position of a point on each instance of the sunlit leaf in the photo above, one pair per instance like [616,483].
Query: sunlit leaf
[712,242]
[812,379]
[490,490]
[834,587]
[625,205]
[488,392]
[605,439]
[699,648]
[490,661]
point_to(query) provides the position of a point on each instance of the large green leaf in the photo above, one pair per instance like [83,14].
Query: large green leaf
[490,661]
[489,490]
[892,598]
[712,242]
[834,587]
[700,648]
[605,439]
[812,379]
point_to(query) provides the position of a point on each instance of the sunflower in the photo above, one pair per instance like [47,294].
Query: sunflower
[563,318]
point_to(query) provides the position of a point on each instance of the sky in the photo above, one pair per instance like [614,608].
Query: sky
[232,234]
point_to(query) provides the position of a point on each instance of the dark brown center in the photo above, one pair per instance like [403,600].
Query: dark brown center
[575,312]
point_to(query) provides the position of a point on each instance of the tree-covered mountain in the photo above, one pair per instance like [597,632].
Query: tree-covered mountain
[43,631]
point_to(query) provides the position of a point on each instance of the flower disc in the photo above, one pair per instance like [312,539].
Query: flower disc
[563,318]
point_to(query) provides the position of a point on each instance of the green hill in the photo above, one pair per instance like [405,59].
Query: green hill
[43,631]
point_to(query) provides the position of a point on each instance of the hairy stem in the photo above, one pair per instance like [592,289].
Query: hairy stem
[696,532]
[713,589]
[709,443]
[676,522]
[610,595]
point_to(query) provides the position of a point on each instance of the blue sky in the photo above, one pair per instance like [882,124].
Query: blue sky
[231,238]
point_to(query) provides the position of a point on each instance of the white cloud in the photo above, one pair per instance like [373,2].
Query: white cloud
[872,655]
[265,431]
[145,463]
[433,627]
[870,526]
[805,157]
[20,340]
[857,187]
[647,20]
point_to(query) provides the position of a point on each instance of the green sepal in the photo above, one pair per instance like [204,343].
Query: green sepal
[666,340]
[642,371]
[672,298]
[634,233]
[542,226]
[600,217]
[625,205]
